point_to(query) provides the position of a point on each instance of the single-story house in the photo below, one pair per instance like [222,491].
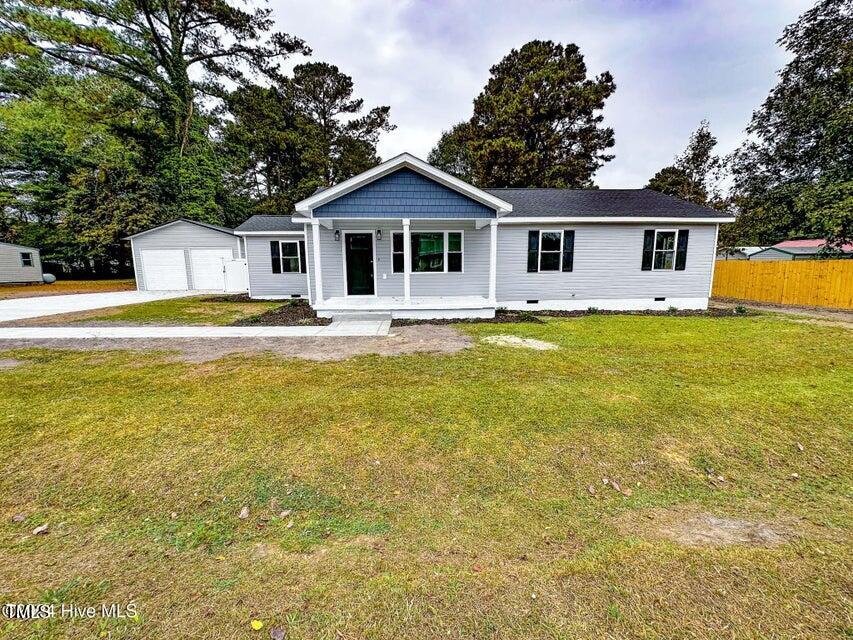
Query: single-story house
[738,253]
[408,240]
[19,264]
[798,250]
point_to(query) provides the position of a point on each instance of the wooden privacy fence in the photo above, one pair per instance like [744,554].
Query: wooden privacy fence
[815,283]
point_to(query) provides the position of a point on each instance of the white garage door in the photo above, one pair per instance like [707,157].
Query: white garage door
[164,270]
[208,269]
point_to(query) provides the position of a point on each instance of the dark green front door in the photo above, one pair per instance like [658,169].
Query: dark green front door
[359,254]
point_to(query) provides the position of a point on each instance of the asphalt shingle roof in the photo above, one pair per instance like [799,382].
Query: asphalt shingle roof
[635,203]
[270,223]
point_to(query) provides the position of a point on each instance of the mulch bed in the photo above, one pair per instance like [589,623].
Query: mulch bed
[505,316]
[297,312]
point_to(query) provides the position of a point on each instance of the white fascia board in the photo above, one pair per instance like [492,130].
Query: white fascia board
[269,233]
[306,207]
[612,219]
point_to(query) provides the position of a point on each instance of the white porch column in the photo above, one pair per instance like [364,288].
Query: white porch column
[407,262]
[493,259]
[318,269]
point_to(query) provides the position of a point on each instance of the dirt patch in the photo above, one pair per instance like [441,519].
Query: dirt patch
[404,340]
[10,363]
[704,529]
[63,287]
[524,343]
[297,312]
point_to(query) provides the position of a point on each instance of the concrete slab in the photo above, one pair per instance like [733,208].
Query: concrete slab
[21,308]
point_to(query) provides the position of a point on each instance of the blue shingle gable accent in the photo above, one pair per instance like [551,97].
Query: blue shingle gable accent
[403,194]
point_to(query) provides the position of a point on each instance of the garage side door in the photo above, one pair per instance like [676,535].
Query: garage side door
[164,270]
[208,269]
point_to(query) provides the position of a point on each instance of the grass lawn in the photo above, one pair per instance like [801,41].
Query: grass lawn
[196,310]
[63,287]
[432,496]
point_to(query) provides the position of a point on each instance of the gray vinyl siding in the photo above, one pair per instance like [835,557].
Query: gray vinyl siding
[184,236]
[607,265]
[11,269]
[474,280]
[262,281]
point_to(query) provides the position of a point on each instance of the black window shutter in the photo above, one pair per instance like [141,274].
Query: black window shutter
[681,250]
[533,250]
[648,249]
[302,267]
[275,256]
[568,250]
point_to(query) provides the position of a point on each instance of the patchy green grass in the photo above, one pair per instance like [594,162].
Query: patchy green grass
[200,310]
[438,496]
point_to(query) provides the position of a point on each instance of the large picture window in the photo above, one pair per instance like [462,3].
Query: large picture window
[432,252]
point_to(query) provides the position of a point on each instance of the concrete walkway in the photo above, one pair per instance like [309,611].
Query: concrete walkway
[21,308]
[349,328]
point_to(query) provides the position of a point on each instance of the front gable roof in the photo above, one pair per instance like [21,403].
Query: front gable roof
[413,173]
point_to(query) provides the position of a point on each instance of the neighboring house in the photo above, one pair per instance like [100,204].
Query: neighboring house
[185,255]
[19,264]
[738,253]
[798,250]
[408,240]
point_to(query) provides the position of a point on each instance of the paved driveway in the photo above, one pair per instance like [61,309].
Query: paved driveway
[20,308]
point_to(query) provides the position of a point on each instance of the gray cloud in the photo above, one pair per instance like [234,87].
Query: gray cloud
[674,62]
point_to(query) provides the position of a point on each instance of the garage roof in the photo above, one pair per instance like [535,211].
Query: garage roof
[206,225]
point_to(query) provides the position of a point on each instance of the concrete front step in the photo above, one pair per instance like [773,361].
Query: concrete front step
[355,316]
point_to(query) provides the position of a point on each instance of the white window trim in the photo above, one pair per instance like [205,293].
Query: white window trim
[281,256]
[461,233]
[402,253]
[32,260]
[674,249]
[559,268]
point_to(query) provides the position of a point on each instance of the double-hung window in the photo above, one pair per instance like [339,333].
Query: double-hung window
[665,249]
[287,256]
[26,259]
[432,252]
[550,250]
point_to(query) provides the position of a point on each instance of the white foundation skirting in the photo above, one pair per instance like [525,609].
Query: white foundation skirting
[607,304]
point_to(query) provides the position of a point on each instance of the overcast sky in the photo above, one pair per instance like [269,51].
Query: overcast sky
[674,63]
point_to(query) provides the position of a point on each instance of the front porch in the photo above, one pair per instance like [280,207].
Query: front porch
[413,307]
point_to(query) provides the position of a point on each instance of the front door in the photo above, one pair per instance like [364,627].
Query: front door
[359,263]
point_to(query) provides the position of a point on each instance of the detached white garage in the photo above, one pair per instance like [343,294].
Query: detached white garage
[188,255]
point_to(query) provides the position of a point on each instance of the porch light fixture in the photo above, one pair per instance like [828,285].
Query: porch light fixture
[379,234]
[337,235]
